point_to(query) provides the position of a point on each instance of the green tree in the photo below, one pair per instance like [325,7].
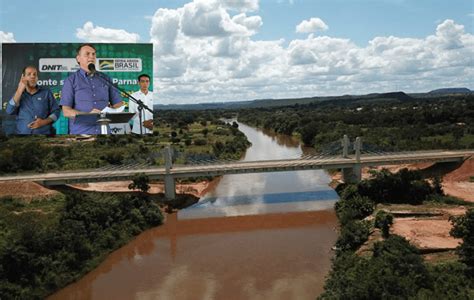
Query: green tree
[352,235]
[356,207]
[438,185]
[140,182]
[395,271]
[308,132]
[463,227]
[384,220]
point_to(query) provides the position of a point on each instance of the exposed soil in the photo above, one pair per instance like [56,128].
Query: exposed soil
[457,184]
[196,189]
[25,190]
[426,234]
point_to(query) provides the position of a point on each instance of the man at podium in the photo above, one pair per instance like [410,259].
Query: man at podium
[84,91]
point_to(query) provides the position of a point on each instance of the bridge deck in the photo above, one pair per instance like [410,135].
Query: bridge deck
[182,171]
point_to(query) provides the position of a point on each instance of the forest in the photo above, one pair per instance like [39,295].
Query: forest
[49,243]
[441,122]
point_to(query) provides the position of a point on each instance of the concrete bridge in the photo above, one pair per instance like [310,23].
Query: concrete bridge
[350,165]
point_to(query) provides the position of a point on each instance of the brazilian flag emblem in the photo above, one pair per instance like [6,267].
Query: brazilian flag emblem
[106,64]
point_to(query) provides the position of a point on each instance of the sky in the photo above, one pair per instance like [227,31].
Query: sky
[234,50]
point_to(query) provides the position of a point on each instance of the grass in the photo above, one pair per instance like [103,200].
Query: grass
[441,257]
[438,203]
[40,205]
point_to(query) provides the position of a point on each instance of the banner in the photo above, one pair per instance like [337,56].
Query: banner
[55,61]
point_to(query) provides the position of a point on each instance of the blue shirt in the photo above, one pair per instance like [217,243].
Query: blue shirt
[41,104]
[83,92]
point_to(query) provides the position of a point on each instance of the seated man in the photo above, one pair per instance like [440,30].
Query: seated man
[35,107]
[84,92]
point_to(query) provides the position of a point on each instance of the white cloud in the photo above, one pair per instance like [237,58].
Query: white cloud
[311,25]
[209,19]
[205,54]
[164,30]
[97,34]
[241,5]
[252,23]
[6,37]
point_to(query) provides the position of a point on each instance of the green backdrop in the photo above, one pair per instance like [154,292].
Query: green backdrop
[55,61]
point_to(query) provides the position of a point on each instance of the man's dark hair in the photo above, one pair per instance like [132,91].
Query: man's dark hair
[143,75]
[84,45]
[29,66]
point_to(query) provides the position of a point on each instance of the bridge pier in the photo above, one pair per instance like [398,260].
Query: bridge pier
[170,187]
[352,175]
[170,184]
[345,146]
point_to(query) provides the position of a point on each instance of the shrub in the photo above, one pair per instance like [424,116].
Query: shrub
[384,220]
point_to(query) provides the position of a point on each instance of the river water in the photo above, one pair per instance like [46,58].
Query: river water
[252,236]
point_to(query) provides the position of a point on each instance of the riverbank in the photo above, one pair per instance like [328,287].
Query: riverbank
[50,242]
[455,177]
[426,226]
[399,225]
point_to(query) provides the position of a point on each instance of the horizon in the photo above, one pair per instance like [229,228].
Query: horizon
[309,97]
[209,51]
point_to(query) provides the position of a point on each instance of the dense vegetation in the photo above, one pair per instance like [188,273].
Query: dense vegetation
[189,134]
[197,135]
[47,244]
[395,269]
[442,122]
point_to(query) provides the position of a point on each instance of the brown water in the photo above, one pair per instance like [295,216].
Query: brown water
[255,236]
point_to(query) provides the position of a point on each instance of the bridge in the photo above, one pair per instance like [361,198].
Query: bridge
[350,164]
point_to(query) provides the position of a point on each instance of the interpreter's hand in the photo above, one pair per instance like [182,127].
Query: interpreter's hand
[38,123]
[95,110]
[22,84]
[148,124]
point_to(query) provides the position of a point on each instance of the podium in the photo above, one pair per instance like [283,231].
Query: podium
[104,119]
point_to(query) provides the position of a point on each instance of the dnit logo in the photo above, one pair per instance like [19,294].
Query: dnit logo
[51,65]
[106,64]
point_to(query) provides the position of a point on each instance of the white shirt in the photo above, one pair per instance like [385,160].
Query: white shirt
[146,115]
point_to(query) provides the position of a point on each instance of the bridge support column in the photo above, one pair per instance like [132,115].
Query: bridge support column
[352,175]
[345,146]
[357,148]
[170,185]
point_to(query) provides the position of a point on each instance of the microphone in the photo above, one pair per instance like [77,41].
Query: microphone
[92,69]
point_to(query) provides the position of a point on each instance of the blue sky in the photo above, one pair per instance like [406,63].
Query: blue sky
[351,46]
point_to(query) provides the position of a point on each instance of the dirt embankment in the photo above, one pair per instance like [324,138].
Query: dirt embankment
[457,183]
[25,190]
[197,189]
